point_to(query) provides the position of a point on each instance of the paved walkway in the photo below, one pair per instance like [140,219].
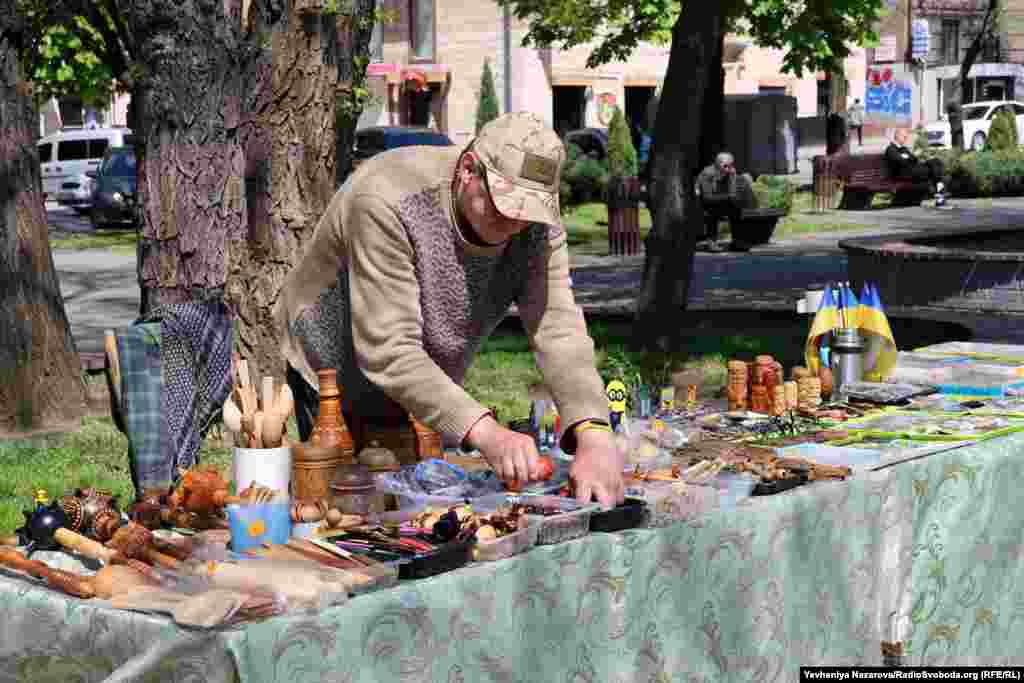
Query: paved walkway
[101,290]
[774,276]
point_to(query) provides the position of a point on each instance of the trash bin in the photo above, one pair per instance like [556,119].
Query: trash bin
[760,132]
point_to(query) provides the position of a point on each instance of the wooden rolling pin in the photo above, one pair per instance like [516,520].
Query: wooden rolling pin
[69,582]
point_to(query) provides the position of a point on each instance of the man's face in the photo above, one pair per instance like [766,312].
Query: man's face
[726,166]
[474,201]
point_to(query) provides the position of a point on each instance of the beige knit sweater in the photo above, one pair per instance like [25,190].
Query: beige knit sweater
[390,294]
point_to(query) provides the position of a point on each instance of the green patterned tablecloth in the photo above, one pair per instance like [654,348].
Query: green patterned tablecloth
[929,552]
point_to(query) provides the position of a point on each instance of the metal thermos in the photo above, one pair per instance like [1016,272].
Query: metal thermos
[847,353]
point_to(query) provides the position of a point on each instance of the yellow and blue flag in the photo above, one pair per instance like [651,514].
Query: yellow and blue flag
[851,307]
[826,319]
[880,354]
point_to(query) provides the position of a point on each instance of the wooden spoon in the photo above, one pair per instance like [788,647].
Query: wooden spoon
[232,416]
[273,427]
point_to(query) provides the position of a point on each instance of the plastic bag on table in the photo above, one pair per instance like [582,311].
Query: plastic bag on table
[293,585]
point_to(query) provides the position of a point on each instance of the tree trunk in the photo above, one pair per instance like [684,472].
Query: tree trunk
[668,265]
[40,371]
[354,47]
[970,57]
[712,131]
[239,164]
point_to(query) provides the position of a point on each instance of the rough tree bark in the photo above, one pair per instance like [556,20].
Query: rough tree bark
[984,35]
[712,129]
[238,122]
[40,371]
[668,264]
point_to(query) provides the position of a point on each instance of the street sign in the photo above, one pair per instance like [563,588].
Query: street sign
[920,35]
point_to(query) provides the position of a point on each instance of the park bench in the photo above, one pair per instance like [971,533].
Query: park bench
[863,175]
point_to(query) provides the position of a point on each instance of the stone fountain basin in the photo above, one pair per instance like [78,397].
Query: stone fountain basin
[972,270]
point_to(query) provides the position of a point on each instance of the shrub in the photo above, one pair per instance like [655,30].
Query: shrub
[987,174]
[622,161]
[1002,134]
[584,179]
[487,107]
[920,146]
[775,192]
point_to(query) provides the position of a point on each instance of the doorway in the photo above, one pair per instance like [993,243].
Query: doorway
[638,98]
[568,107]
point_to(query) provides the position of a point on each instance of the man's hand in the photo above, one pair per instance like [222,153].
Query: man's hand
[512,455]
[597,469]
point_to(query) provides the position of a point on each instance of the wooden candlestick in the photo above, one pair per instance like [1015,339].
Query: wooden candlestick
[330,430]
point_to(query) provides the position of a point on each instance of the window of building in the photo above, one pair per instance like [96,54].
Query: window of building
[45,150]
[990,50]
[771,90]
[97,147]
[950,41]
[377,43]
[421,22]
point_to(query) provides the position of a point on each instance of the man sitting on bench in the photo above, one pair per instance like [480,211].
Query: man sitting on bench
[724,195]
[906,166]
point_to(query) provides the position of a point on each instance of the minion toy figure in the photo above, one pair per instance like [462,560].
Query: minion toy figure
[616,392]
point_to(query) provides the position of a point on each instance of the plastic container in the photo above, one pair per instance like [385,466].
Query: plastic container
[446,558]
[508,545]
[271,467]
[573,520]
[633,512]
[407,509]
[733,488]
[253,525]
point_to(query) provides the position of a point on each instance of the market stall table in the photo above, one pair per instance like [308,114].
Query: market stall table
[928,552]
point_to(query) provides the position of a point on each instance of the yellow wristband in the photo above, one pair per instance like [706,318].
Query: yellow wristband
[588,425]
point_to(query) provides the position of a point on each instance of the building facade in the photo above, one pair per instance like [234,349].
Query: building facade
[915,70]
[426,67]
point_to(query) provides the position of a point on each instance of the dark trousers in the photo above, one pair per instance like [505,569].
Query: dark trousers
[715,212]
[927,171]
[860,134]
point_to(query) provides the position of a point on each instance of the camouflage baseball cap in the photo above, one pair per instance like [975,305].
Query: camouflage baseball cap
[524,159]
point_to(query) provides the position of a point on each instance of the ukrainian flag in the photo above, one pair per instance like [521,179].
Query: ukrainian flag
[851,307]
[880,356]
[825,320]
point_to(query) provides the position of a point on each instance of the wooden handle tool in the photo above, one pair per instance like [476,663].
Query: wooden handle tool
[84,546]
[273,428]
[70,583]
[267,394]
[232,416]
[285,401]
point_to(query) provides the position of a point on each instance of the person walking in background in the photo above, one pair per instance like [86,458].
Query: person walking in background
[855,119]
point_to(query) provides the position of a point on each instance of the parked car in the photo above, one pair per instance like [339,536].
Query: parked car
[977,119]
[76,193]
[592,141]
[114,200]
[376,139]
[74,151]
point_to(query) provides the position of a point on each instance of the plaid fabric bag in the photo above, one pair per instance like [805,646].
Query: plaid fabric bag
[138,351]
[177,377]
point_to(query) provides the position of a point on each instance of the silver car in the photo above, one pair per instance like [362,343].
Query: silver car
[76,193]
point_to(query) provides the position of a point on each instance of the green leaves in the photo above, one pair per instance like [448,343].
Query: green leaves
[67,58]
[816,34]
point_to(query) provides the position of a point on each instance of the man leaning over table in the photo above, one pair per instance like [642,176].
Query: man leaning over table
[416,261]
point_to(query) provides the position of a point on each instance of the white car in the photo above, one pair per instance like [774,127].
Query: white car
[977,118]
[76,193]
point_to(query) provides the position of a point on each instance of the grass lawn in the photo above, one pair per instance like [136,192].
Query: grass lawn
[118,241]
